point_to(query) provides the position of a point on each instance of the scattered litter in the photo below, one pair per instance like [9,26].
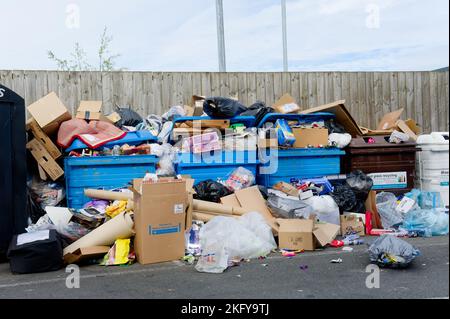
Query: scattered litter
[336,261]
[347,249]
[303,267]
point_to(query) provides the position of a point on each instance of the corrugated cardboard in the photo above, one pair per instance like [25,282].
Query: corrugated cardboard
[197,105]
[405,129]
[251,198]
[296,234]
[286,104]
[44,159]
[160,220]
[114,117]
[389,120]
[87,253]
[40,135]
[286,188]
[230,200]
[413,126]
[351,223]
[343,116]
[49,112]
[90,110]
[325,233]
[310,136]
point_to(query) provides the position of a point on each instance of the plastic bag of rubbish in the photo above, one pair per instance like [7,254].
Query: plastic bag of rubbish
[222,108]
[167,157]
[72,231]
[390,251]
[325,209]
[339,140]
[334,127]
[288,208]
[224,239]
[426,200]
[174,112]
[210,191]
[163,136]
[430,222]
[128,117]
[344,197]
[360,183]
[386,206]
[239,179]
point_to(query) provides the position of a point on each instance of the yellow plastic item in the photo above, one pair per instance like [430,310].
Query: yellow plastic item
[116,208]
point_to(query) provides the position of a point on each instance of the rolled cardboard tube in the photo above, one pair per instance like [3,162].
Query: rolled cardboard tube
[204,217]
[204,206]
[108,195]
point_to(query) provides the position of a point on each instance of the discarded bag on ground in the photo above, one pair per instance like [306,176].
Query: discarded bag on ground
[224,239]
[222,108]
[427,222]
[386,206]
[128,117]
[360,183]
[391,251]
[210,191]
[344,197]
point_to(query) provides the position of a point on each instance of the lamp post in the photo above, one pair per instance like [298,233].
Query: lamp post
[221,36]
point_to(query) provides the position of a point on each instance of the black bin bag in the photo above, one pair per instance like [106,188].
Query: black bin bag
[222,108]
[38,256]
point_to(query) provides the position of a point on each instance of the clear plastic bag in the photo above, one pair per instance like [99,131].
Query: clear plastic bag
[325,209]
[225,238]
[390,251]
[239,179]
[288,208]
[386,206]
[430,222]
[426,200]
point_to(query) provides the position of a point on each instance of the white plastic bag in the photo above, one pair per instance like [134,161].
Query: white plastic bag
[325,209]
[339,140]
[227,238]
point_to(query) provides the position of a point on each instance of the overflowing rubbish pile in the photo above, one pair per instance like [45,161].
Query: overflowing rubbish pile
[217,183]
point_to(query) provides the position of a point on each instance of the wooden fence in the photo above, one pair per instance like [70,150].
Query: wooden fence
[368,95]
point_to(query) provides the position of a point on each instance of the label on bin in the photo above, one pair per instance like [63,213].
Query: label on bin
[444,178]
[389,180]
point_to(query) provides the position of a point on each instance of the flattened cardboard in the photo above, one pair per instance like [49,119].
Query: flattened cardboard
[44,159]
[413,126]
[49,112]
[87,253]
[286,188]
[43,138]
[389,120]
[160,220]
[350,222]
[343,116]
[405,129]
[250,198]
[296,234]
[310,136]
[286,104]
[325,233]
[230,200]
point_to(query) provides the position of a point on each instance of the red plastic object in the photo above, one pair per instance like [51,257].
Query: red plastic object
[337,243]
[369,222]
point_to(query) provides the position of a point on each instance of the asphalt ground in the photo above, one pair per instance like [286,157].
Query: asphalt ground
[309,275]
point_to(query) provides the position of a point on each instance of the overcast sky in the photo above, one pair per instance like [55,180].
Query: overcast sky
[180,35]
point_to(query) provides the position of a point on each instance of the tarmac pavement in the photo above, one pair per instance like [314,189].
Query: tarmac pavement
[276,277]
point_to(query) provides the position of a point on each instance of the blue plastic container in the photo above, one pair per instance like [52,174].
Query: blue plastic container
[103,172]
[215,165]
[299,163]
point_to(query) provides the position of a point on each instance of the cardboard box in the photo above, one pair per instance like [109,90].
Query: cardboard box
[310,136]
[114,117]
[91,111]
[352,223]
[87,253]
[43,138]
[304,234]
[230,200]
[407,130]
[160,220]
[343,116]
[49,112]
[218,124]
[44,159]
[197,105]
[389,120]
[286,104]
[286,188]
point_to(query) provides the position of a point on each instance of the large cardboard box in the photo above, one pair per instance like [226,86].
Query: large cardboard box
[91,110]
[310,136]
[49,112]
[352,223]
[160,220]
[305,234]
[45,160]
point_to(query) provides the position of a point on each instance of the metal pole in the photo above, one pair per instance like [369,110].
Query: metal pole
[221,36]
[285,50]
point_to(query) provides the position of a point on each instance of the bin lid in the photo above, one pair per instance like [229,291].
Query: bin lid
[301,118]
[381,141]
[435,138]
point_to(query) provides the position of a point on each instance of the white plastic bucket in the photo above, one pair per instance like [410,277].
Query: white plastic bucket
[433,164]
